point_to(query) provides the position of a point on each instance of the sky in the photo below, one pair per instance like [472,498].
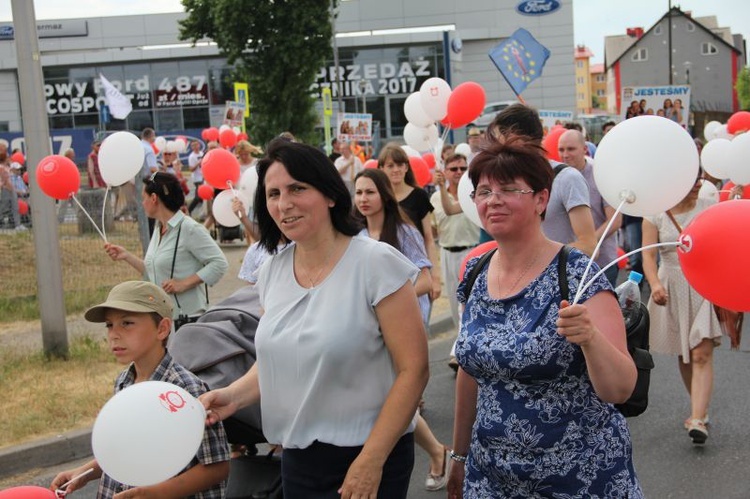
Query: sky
[593,19]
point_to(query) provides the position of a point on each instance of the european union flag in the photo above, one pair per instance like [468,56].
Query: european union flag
[520,59]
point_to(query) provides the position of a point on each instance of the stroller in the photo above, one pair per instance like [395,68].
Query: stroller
[219,348]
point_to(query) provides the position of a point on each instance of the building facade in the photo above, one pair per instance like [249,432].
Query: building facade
[386,49]
[598,88]
[703,55]
[583,79]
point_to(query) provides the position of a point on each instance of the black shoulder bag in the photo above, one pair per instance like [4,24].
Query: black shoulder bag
[182,319]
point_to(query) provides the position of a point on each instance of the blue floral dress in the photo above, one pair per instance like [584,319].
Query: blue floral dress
[540,430]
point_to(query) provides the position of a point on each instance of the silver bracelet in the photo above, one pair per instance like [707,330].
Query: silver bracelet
[458,457]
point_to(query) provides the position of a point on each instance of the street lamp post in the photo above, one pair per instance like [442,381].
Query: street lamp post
[687,65]
[363,90]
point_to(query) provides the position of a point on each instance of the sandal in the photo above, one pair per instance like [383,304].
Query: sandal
[436,482]
[705,420]
[697,431]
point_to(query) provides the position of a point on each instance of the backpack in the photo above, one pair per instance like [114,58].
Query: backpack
[636,335]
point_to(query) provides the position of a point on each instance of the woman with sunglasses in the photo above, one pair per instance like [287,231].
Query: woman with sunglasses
[538,376]
[683,323]
[182,257]
[415,202]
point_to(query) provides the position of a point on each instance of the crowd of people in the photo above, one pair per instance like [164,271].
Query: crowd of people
[537,375]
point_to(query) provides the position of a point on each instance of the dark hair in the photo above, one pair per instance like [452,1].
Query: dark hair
[508,160]
[608,124]
[517,119]
[572,125]
[453,158]
[309,165]
[148,133]
[393,216]
[167,188]
[396,153]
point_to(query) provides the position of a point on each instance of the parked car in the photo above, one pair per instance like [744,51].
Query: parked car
[490,110]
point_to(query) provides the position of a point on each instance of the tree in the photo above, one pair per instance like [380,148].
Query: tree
[743,88]
[277,47]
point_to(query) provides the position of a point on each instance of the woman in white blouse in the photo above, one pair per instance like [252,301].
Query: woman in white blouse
[341,348]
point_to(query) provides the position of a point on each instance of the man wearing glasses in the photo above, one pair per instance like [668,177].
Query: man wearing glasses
[457,235]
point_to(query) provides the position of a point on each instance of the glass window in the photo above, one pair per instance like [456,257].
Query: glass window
[61,121]
[220,85]
[657,29]
[640,55]
[690,26]
[195,117]
[708,48]
[138,120]
[398,118]
[86,120]
[168,119]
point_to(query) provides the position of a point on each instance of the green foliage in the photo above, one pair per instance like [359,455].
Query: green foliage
[743,88]
[277,47]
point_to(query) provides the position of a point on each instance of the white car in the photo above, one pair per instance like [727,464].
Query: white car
[489,112]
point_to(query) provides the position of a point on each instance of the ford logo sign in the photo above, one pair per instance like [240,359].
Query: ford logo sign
[6,31]
[537,7]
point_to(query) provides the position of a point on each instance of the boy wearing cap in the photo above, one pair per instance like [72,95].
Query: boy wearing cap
[138,318]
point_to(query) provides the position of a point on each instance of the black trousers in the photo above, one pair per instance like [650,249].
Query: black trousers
[318,471]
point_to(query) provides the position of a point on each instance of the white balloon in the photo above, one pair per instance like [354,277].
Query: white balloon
[721,132]
[435,93]
[173,146]
[715,158]
[463,149]
[710,129]
[160,143]
[465,188]
[739,159]
[248,185]
[222,208]
[147,433]
[650,160]
[181,145]
[224,127]
[120,158]
[414,111]
[410,151]
[420,138]
[709,191]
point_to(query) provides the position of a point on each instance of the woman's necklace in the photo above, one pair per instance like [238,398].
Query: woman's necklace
[520,276]
[325,265]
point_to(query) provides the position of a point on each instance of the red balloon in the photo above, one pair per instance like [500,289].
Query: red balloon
[154,148]
[242,136]
[27,492]
[724,192]
[210,134]
[550,143]
[465,104]
[715,259]
[429,158]
[23,207]
[205,192]
[182,138]
[220,168]
[25,177]
[18,157]
[739,122]
[371,163]
[227,138]
[477,251]
[624,262]
[58,177]
[420,169]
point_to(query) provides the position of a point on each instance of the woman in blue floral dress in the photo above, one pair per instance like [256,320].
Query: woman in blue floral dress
[538,376]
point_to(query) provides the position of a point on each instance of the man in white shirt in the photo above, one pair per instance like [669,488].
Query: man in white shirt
[194,165]
[348,166]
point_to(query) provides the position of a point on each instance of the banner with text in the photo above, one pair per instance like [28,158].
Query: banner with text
[354,126]
[551,118]
[669,101]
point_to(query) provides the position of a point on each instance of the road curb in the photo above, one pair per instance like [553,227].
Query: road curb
[70,446]
[76,444]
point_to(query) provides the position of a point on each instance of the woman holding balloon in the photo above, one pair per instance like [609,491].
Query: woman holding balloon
[538,376]
[182,257]
[683,323]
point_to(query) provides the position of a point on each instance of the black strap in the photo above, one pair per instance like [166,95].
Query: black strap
[174,259]
[556,170]
[562,271]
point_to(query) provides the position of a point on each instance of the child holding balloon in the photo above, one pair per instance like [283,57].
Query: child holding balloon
[137,315]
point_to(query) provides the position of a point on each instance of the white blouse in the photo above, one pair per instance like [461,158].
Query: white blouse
[323,367]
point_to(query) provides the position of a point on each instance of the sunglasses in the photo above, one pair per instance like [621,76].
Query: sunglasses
[454,169]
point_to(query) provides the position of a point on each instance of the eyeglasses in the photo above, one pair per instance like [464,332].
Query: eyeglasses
[504,194]
[454,169]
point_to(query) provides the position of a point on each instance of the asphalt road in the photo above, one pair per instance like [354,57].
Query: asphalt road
[668,465]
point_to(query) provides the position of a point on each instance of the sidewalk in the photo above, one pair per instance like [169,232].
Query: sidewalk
[19,462]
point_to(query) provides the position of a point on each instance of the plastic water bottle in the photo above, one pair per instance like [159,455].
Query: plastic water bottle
[629,296]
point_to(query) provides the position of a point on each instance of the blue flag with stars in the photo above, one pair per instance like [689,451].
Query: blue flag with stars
[520,59]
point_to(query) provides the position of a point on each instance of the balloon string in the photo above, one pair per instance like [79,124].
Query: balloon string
[596,250]
[623,257]
[88,216]
[235,194]
[104,210]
